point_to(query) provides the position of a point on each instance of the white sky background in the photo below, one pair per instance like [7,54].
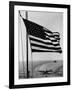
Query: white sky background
[52,21]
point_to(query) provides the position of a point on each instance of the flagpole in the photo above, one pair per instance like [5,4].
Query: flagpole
[31,60]
[31,72]
[27,47]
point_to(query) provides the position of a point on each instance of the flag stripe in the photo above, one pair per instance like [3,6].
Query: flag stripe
[39,39]
[35,50]
[47,43]
[40,46]
[43,44]
[52,36]
[49,34]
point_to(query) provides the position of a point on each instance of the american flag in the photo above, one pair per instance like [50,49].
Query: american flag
[42,39]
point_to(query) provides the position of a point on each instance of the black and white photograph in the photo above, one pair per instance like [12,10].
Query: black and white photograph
[39,44]
[44,32]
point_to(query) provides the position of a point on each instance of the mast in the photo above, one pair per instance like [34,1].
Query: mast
[29,71]
[27,47]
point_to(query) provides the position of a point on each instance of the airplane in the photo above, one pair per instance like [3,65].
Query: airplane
[47,72]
